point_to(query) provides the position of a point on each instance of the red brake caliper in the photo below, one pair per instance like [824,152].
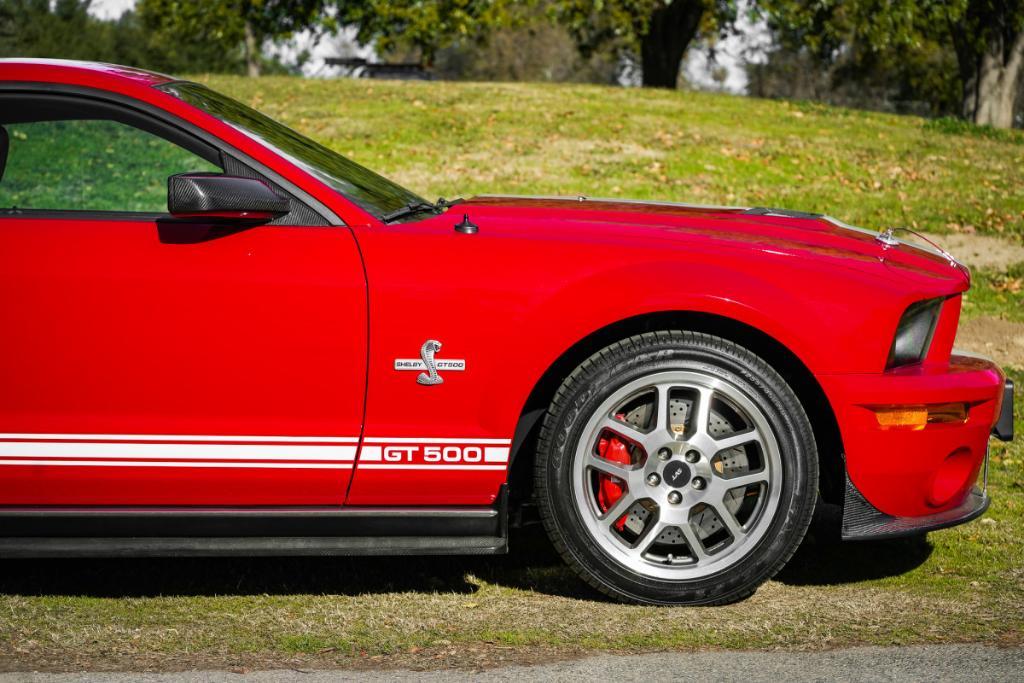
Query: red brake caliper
[610,489]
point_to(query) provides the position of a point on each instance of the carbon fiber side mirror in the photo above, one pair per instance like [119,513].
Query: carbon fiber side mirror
[221,197]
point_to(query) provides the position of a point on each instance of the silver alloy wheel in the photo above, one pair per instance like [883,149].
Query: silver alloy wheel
[703,482]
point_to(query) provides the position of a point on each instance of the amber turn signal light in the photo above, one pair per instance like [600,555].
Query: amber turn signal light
[919,416]
[947,413]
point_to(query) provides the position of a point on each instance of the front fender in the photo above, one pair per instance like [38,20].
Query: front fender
[805,324]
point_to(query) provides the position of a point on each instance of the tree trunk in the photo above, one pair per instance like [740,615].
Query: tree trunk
[991,78]
[671,29]
[252,51]
[998,80]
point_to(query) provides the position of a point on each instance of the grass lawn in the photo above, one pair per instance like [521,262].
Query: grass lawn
[455,139]
[874,170]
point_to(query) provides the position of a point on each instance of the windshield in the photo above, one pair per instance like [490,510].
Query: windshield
[373,193]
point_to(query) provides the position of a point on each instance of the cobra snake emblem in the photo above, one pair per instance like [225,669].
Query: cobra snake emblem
[427,351]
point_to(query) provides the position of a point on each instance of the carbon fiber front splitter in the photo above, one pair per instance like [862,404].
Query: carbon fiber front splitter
[864,522]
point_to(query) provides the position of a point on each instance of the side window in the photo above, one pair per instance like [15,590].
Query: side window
[88,164]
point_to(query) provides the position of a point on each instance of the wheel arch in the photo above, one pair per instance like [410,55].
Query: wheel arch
[794,370]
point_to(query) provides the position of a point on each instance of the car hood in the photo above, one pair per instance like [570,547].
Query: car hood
[775,230]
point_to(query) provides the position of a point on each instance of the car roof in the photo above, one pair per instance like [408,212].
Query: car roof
[15,68]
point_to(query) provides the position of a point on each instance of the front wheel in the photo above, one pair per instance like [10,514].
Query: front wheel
[676,468]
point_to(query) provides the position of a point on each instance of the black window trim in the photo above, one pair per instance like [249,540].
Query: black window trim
[175,127]
[84,215]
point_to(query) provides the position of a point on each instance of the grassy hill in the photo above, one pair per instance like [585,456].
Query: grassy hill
[456,139]
[963,585]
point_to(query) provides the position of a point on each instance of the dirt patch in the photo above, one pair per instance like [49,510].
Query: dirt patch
[477,657]
[1002,340]
[980,251]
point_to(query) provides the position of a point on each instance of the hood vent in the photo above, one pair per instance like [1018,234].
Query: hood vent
[785,213]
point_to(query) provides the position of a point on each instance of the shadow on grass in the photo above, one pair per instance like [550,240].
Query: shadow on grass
[532,565]
[824,560]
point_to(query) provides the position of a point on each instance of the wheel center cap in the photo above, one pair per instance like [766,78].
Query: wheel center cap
[676,474]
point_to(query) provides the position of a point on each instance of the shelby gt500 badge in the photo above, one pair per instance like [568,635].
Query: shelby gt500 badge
[430,364]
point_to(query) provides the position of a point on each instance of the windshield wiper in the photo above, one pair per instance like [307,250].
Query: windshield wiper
[417,207]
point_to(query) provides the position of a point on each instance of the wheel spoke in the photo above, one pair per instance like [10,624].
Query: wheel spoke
[719,485]
[650,535]
[608,467]
[735,530]
[702,414]
[661,407]
[619,508]
[627,431]
[741,439]
[759,477]
[693,541]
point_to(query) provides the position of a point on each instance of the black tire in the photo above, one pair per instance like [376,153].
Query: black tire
[612,368]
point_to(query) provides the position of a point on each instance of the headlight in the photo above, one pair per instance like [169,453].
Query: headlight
[914,334]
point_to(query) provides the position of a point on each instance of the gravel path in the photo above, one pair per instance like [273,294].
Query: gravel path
[932,663]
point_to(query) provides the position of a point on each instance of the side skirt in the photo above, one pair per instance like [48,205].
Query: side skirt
[212,532]
[250,546]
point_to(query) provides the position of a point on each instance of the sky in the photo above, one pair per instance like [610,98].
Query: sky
[110,9]
[730,53]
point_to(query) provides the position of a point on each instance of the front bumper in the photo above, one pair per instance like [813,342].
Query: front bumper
[904,480]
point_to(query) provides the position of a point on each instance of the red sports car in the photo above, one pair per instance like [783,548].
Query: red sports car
[220,337]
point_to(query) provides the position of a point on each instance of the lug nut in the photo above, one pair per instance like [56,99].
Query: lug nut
[675,497]
[692,456]
[664,453]
[699,483]
[653,479]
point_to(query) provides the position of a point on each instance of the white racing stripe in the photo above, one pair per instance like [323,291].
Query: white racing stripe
[495,454]
[421,440]
[434,466]
[175,438]
[370,454]
[294,452]
[165,463]
[169,451]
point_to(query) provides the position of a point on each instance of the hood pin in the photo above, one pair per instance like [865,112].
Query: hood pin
[466,226]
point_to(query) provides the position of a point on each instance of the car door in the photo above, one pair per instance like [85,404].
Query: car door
[145,361]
